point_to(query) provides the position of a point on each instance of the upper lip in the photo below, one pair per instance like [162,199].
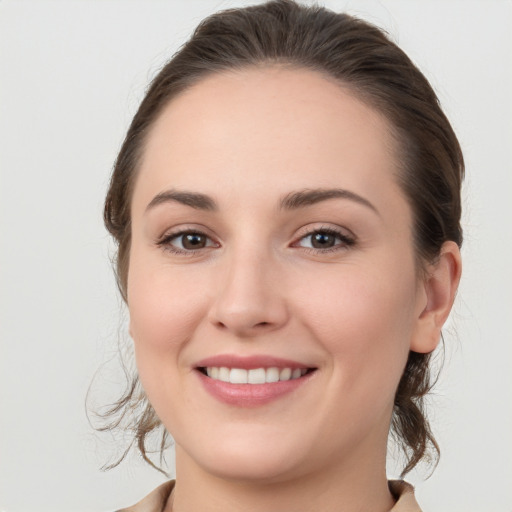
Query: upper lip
[249,362]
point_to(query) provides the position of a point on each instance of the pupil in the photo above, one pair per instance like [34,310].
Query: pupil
[322,240]
[193,241]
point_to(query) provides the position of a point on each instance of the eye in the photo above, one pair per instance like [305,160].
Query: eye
[186,242]
[325,240]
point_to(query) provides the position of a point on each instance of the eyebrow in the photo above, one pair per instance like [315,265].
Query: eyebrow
[192,199]
[292,201]
[308,197]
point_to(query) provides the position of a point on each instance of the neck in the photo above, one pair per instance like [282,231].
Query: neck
[351,487]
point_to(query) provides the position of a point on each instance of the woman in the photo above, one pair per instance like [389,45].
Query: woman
[287,209]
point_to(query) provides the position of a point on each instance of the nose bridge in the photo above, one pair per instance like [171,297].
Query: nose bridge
[249,299]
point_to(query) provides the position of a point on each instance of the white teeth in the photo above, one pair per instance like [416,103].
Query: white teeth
[296,373]
[238,376]
[285,374]
[254,376]
[223,374]
[272,375]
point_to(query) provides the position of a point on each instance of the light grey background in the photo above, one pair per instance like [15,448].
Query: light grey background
[71,76]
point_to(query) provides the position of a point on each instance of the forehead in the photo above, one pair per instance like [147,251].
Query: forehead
[267,125]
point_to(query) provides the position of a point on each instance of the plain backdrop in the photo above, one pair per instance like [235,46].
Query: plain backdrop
[71,76]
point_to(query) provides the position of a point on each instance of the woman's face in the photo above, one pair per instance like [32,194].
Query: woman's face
[270,240]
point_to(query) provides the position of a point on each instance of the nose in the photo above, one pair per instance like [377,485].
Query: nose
[250,298]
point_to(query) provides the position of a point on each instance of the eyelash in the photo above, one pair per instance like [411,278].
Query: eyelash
[165,242]
[346,241]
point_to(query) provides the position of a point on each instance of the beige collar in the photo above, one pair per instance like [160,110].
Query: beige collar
[156,500]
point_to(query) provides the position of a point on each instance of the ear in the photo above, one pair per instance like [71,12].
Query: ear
[436,295]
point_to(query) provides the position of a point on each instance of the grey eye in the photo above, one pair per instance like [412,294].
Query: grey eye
[323,239]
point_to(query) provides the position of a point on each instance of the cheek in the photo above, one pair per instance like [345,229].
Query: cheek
[165,308]
[364,319]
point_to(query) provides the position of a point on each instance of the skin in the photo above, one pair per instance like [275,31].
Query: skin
[258,286]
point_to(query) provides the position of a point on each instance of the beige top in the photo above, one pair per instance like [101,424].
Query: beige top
[156,500]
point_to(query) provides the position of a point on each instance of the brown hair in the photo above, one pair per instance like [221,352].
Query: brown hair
[361,57]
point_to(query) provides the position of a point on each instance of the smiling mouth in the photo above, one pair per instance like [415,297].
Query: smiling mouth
[255,375]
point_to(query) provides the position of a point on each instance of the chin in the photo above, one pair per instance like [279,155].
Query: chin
[261,470]
[247,460]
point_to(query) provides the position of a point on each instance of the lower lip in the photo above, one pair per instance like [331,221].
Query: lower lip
[250,395]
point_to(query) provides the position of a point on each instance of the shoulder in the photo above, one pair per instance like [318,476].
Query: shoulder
[154,502]
[403,492]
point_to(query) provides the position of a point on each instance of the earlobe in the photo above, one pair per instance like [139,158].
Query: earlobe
[438,293]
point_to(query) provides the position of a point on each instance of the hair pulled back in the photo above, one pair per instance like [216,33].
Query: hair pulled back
[361,58]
